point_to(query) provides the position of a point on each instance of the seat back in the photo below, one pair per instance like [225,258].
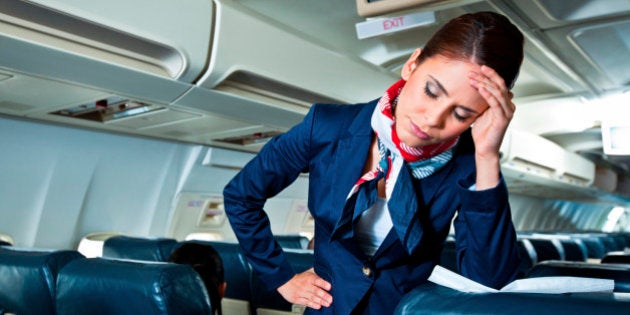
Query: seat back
[293,241]
[109,286]
[595,248]
[573,251]
[431,298]
[619,273]
[546,249]
[619,257]
[28,277]
[138,248]
[528,257]
[268,302]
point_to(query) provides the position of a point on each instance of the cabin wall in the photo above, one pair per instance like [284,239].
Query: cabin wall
[61,183]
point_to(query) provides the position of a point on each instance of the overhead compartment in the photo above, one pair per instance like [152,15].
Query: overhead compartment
[144,34]
[250,60]
[57,55]
[533,165]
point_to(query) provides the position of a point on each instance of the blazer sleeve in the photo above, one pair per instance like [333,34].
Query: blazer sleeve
[274,168]
[485,236]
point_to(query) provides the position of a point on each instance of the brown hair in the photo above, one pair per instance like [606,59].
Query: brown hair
[207,262]
[485,38]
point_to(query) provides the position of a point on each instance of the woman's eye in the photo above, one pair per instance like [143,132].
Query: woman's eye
[428,92]
[459,117]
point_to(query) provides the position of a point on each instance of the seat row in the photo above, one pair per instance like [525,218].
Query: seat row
[244,294]
[599,256]
[65,282]
[537,247]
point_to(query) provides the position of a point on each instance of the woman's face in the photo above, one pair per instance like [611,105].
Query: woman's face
[437,103]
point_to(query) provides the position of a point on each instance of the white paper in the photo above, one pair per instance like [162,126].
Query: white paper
[551,285]
[447,278]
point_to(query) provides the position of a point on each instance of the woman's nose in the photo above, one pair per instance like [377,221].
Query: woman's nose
[434,117]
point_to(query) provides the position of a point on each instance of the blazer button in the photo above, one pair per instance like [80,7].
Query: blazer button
[367,271]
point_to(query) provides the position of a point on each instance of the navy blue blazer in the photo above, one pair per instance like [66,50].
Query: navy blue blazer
[332,144]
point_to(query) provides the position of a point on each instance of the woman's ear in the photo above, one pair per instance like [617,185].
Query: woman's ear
[410,65]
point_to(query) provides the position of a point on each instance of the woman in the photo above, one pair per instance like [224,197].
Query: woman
[387,177]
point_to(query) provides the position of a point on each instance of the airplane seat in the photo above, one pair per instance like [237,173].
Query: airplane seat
[448,258]
[528,256]
[619,239]
[619,273]
[572,250]
[430,298]
[270,302]
[28,278]
[546,249]
[594,246]
[610,244]
[618,257]
[139,248]
[112,286]
[237,276]
[292,241]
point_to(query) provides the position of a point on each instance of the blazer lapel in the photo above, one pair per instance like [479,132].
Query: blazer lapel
[350,157]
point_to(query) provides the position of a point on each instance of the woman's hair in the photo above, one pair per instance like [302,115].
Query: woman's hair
[207,262]
[485,38]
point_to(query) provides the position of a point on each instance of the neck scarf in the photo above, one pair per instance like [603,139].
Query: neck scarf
[394,154]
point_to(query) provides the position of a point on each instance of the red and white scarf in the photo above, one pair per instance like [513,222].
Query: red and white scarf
[422,161]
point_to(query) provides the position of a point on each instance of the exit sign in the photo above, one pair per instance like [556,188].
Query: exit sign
[381,26]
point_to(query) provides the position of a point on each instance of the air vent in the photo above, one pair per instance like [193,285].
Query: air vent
[269,91]
[250,139]
[107,110]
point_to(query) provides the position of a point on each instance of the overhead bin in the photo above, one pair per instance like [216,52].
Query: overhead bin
[143,34]
[250,60]
[215,73]
[533,165]
[99,50]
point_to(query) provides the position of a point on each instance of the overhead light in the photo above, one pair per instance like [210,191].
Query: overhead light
[388,25]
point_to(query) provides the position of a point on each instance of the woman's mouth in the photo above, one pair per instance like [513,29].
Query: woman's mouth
[419,133]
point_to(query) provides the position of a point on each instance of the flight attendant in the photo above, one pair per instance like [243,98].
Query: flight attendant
[387,177]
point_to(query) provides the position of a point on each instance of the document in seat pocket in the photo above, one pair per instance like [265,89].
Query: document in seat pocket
[551,285]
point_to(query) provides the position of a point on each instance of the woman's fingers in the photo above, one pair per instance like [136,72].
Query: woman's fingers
[492,88]
[307,288]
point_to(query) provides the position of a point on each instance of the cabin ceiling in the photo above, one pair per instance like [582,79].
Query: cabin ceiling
[197,73]
[576,51]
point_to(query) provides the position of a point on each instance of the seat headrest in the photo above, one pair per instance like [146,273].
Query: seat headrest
[292,241]
[618,257]
[430,298]
[130,287]
[619,273]
[28,277]
[138,248]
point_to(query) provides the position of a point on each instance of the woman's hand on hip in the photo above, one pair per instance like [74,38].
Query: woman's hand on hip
[307,288]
